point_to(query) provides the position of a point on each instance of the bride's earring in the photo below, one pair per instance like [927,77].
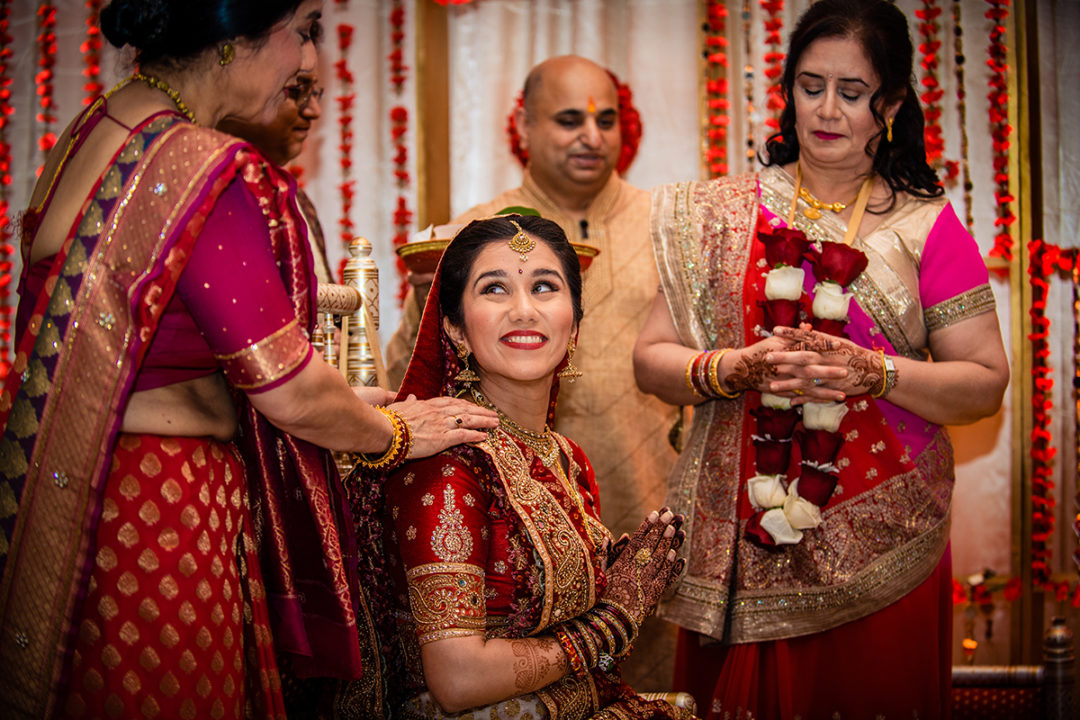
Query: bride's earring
[467,376]
[571,371]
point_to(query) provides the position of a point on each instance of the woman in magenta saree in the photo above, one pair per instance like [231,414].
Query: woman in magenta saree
[817,476]
[170,526]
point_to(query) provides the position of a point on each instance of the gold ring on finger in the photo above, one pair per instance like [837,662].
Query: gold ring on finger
[643,556]
[458,421]
[797,391]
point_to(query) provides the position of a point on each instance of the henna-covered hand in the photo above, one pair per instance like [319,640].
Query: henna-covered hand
[822,353]
[646,567]
[533,662]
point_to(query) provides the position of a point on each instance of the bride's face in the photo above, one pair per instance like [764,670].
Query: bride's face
[518,316]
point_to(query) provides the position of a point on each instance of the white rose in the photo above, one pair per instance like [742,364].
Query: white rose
[766,491]
[823,415]
[775,523]
[784,283]
[776,402]
[800,512]
[830,301]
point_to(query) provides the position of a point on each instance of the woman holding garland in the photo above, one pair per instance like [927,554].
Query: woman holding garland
[508,597]
[817,476]
[165,420]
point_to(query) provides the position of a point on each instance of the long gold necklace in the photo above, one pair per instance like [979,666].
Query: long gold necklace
[159,84]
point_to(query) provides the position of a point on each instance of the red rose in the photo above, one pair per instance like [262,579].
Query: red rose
[838,263]
[775,424]
[819,446]
[784,246]
[817,486]
[772,456]
[755,533]
[829,326]
[780,312]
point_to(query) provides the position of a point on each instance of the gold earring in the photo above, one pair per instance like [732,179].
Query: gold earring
[466,376]
[571,371]
[888,130]
[228,54]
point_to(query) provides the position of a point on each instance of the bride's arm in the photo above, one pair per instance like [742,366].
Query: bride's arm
[467,672]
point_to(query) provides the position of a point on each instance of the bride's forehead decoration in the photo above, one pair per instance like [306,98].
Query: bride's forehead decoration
[521,243]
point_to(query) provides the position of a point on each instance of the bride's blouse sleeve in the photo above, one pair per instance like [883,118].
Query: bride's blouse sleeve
[438,512]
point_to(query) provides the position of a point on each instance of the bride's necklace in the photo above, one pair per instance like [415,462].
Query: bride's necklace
[816,206]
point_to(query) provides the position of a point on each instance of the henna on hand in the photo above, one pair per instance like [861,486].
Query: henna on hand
[750,372]
[533,662]
[864,372]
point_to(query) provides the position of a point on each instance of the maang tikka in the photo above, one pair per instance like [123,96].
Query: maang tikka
[521,243]
[571,371]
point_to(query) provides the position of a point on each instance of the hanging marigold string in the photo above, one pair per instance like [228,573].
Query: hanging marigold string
[929,47]
[717,104]
[399,128]
[43,80]
[91,52]
[954,168]
[7,249]
[1000,129]
[774,62]
[346,98]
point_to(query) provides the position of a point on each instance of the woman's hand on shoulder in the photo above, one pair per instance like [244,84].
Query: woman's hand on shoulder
[647,565]
[443,422]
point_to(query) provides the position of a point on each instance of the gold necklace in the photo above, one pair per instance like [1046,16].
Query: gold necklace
[816,206]
[159,84]
[545,447]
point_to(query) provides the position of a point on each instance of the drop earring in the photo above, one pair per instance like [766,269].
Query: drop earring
[571,371]
[467,376]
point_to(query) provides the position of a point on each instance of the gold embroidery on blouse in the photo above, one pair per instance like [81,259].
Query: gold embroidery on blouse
[976,301]
[447,600]
[451,541]
[267,360]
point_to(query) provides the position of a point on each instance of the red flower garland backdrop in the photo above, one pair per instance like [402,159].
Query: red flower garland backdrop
[929,48]
[46,39]
[1000,129]
[774,62]
[7,250]
[91,50]
[717,103]
[399,127]
[346,98]
[629,127]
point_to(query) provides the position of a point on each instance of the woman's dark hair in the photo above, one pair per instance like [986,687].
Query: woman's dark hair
[882,31]
[460,255]
[179,29]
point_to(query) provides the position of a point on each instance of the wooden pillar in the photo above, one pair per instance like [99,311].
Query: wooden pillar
[433,114]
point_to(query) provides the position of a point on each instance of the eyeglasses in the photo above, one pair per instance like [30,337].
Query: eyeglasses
[303,92]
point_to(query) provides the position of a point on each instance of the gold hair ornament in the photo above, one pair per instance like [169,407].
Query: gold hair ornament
[521,243]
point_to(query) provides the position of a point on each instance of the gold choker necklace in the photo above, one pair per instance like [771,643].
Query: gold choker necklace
[159,84]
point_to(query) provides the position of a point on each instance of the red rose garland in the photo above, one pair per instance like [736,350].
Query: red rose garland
[7,250]
[929,30]
[399,126]
[785,509]
[717,104]
[630,127]
[345,100]
[1076,397]
[774,62]
[1000,130]
[91,50]
[46,40]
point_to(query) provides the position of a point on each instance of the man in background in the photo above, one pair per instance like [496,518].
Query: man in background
[281,141]
[569,128]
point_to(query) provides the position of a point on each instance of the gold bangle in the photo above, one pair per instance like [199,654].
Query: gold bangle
[400,444]
[714,376]
[689,370]
[884,376]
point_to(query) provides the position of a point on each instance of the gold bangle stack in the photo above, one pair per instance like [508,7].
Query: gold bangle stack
[714,376]
[400,444]
[703,375]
